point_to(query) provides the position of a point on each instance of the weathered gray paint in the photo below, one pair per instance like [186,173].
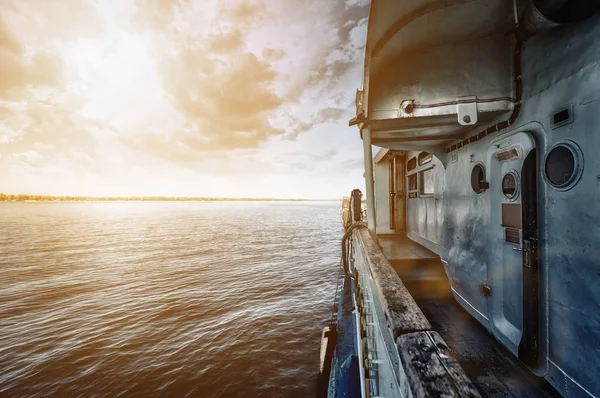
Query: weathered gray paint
[424,50]
[424,214]
[399,81]
[415,19]
[561,68]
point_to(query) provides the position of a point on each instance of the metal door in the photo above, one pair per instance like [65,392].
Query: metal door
[392,190]
[512,269]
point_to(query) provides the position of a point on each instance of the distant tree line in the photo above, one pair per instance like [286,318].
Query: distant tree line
[50,198]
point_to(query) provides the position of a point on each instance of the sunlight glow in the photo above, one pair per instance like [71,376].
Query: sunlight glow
[117,76]
[178,98]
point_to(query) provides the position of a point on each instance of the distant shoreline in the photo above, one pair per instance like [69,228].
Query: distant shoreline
[51,198]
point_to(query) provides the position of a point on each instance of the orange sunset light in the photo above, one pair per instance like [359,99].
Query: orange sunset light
[179,98]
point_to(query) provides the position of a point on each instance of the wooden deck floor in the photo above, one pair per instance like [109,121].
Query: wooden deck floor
[494,371]
[398,247]
[420,269]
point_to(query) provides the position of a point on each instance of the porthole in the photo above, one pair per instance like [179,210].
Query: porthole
[478,183]
[563,165]
[566,11]
[510,185]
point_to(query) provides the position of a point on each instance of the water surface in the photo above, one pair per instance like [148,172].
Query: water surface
[164,298]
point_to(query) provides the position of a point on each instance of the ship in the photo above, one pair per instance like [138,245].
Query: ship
[476,268]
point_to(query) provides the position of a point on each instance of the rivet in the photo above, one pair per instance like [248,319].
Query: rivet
[408,106]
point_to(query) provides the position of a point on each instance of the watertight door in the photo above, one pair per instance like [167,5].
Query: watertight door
[512,272]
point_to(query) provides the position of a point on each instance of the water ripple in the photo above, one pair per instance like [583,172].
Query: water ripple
[164,299]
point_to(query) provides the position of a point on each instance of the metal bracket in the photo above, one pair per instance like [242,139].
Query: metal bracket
[486,289]
[466,109]
[358,101]
[407,107]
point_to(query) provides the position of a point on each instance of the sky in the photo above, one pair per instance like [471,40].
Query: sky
[181,97]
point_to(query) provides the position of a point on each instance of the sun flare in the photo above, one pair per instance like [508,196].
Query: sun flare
[183,98]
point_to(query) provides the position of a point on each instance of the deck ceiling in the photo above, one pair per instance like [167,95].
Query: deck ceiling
[398,26]
[434,52]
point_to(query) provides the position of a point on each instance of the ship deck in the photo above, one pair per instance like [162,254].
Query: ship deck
[398,247]
[492,368]
[420,269]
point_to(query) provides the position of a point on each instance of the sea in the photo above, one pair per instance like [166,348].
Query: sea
[165,299]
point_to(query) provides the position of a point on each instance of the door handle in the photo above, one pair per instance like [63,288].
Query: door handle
[528,246]
[525,249]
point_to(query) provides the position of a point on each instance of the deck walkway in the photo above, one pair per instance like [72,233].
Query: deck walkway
[401,248]
[494,371]
[420,269]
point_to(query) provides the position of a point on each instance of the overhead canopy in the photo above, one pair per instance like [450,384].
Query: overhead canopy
[435,70]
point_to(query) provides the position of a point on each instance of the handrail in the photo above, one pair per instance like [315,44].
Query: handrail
[347,235]
[423,359]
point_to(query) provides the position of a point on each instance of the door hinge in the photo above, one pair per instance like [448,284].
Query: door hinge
[486,289]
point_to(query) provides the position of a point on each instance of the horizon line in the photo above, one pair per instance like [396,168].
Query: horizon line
[158,198]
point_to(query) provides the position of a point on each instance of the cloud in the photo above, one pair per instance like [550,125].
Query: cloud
[50,21]
[329,114]
[325,75]
[273,54]
[227,100]
[225,43]
[19,70]
[358,3]
[298,128]
[8,42]
[188,90]
[37,120]
[232,97]
[324,115]
[31,158]
[244,13]
[49,129]
[158,14]
[346,54]
[224,93]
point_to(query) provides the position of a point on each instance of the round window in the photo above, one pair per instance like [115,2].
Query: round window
[560,166]
[509,185]
[478,182]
